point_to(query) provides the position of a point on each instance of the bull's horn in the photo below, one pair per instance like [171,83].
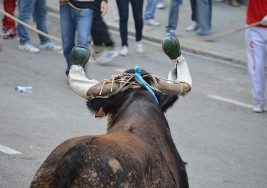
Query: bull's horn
[102,90]
[78,80]
[180,71]
[173,88]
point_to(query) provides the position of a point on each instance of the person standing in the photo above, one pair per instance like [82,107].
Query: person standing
[137,9]
[204,16]
[173,17]
[256,48]
[104,46]
[76,19]
[194,25]
[8,24]
[26,10]
[149,17]
[201,17]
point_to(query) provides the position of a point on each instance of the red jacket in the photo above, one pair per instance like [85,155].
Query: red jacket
[256,10]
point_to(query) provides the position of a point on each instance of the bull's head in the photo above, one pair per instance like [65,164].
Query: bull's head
[178,83]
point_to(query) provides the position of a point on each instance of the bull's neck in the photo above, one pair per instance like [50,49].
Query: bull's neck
[141,115]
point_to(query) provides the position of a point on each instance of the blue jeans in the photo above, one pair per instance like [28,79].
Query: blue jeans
[72,22]
[173,16]
[204,10]
[26,9]
[193,4]
[150,9]
[137,9]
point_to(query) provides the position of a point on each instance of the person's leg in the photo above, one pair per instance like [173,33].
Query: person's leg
[8,23]
[39,15]
[150,12]
[67,26]
[173,16]
[160,4]
[84,20]
[104,47]
[194,10]
[256,41]
[150,9]
[194,25]
[5,18]
[25,12]
[204,12]
[123,8]
[40,12]
[100,33]
[137,7]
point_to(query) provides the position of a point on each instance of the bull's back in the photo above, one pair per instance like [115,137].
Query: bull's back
[120,160]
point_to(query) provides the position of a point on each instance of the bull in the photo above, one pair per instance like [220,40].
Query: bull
[137,150]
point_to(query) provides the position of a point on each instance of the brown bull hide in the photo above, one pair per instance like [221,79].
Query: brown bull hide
[137,151]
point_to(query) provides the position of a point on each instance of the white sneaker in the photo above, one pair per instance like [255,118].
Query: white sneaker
[193,27]
[124,51]
[50,46]
[107,56]
[152,22]
[258,108]
[160,6]
[139,47]
[29,47]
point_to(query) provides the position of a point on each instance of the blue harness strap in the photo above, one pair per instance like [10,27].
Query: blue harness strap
[141,81]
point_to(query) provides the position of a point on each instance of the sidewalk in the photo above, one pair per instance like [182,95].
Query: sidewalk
[224,18]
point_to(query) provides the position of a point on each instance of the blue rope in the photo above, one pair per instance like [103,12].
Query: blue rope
[141,81]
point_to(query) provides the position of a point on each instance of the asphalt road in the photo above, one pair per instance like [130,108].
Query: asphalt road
[214,129]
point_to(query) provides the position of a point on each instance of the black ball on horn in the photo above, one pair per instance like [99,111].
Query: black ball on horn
[80,55]
[171,47]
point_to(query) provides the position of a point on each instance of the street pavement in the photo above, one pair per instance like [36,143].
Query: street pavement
[224,18]
[214,129]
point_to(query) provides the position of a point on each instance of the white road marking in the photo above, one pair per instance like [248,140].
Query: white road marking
[8,150]
[230,101]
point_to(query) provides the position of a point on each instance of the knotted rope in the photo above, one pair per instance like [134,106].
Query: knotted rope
[127,80]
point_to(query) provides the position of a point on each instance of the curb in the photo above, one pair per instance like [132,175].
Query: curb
[185,48]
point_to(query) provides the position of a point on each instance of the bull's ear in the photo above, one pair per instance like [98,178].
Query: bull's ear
[100,112]
[99,106]
[94,105]
[166,101]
